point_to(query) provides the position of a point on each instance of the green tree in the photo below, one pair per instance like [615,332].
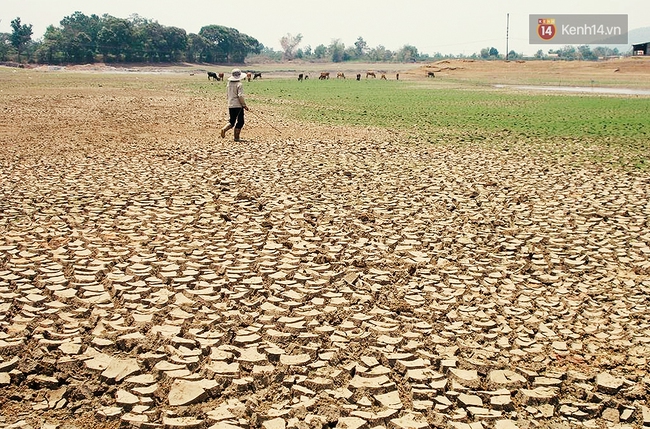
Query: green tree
[336,51]
[5,43]
[146,36]
[407,54]
[228,45]
[539,54]
[197,47]
[176,39]
[320,51]
[152,39]
[21,35]
[512,55]
[52,49]
[75,41]
[567,52]
[80,23]
[115,39]
[243,46]
[380,53]
[585,53]
[360,47]
[604,52]
[79,49]
[216,37]
[489,53]
[350,53]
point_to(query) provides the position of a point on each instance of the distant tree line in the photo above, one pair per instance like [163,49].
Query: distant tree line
[337,52]
[84,39]
[569,52]
[583,52]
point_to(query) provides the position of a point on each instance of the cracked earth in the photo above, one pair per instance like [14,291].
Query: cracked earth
[155,275]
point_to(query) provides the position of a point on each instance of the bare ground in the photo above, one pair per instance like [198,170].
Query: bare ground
[633,72]
[153,274]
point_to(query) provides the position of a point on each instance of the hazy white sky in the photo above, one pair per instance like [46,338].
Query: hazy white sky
[450,26]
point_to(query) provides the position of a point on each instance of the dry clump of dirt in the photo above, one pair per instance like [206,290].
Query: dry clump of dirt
[153,274]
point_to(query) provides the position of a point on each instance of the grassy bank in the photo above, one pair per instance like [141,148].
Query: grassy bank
[597,128]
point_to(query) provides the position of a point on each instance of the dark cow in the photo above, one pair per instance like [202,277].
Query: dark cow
[370,74]
[220,76]
[256,75]
[324,75]
[397,76]
[300,77]
[212,75]
[358,76]
[431,74]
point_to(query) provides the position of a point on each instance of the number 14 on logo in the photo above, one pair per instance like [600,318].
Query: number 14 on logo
[546,28]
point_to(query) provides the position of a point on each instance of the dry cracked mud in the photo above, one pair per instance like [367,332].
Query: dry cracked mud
[154,275]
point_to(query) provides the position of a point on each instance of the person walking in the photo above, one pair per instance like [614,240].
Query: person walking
[236,104]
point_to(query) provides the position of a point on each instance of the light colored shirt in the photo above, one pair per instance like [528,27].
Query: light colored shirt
[235,90]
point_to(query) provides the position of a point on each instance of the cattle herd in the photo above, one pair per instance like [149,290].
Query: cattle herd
[304,76]
[220,76]
[215,76]
[341,75]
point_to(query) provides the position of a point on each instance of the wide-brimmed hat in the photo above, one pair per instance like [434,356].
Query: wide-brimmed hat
[235,75]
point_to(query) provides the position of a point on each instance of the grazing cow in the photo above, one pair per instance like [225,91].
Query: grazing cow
[256,75]
[383,76]
[431,74]
[340,75]
[220,76]
[300,77]
[370,74]
[212,75]
[324,75]
[249,75]
[306,76]
[358,76]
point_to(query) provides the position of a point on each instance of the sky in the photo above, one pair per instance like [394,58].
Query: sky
[448,27]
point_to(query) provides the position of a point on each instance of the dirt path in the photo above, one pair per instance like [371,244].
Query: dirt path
[153,274]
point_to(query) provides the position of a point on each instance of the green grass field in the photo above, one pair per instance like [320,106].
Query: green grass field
[613,130]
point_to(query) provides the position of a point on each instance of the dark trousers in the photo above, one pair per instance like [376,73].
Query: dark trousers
[236,117]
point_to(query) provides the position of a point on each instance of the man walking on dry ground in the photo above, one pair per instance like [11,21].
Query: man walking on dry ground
[236,104]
